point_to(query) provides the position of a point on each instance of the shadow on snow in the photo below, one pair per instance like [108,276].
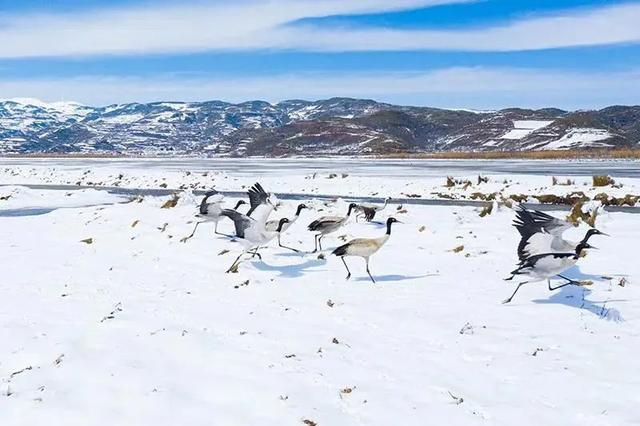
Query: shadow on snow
[576,297]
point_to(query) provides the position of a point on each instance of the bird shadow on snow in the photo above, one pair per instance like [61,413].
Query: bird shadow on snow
[576,297]
[289,271]
[576,274]
[394,277]
[292,254]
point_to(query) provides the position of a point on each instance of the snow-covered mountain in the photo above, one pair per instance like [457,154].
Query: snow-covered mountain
[296,127]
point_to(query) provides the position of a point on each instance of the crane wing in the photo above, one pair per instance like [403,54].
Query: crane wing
[534,244]
[536,221]
[242,222]
[257,196]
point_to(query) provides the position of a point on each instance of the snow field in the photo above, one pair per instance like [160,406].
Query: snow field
[139,328]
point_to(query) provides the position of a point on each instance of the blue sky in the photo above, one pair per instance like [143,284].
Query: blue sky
[482,54]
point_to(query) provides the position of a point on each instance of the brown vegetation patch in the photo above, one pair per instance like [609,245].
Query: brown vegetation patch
[607,200]
[518,198]
[569,199]
[170,203]
[576,215]
[603,180]
[626,153]
[486,210]
[483,197]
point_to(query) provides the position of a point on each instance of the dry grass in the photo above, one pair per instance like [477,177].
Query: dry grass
[599,180]
[607,200]
[486,210]
[533,155]
[484,197]
[451,182]
[576,215]
[555,181]
[519,198]
[170,203]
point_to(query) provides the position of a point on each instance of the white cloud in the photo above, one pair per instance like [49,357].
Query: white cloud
[610,25]
[451,87]
[262,24]
[189,27]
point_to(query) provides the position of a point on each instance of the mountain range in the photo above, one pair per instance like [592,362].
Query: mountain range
[337,126]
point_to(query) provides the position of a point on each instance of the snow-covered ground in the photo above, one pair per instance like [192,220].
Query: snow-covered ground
[581,137]
[108,319]
[522,128]
[345,178]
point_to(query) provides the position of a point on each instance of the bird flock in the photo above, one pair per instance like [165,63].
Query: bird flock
[542,252]
[254,230]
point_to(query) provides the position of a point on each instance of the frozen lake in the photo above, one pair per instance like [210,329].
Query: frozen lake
[359,167]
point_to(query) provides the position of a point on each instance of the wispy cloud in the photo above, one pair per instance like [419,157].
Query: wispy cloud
[244,24]
[255,24]
[451,87]
[601,26]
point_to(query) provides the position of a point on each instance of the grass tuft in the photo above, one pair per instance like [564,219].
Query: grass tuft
[602,180]
[170,203]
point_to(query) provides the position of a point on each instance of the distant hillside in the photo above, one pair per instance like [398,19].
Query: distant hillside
[338,126]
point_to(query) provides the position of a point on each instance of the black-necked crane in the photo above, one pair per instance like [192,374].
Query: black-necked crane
[251,233]
[364,248]
[369,210]
[541,233]
[210,211]
[328,224]
[272,225]
[545,266]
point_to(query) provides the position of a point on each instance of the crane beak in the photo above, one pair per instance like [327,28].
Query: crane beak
[605,234]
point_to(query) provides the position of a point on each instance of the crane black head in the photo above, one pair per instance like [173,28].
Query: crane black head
[590,233]
[594,231]
[239,203]
[583,246]
[281,223]
[351,207]
[389,222]
[300,207]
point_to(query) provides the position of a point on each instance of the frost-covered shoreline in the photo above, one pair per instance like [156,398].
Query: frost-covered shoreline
[334,180]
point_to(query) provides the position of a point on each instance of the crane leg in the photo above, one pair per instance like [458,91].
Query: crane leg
[317,239]
[215,230]
[320,241]
[569,282]
[367,260]
[514,293]
[287,247]
[348,271]
[235,262]
[255,253]
[184,240]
